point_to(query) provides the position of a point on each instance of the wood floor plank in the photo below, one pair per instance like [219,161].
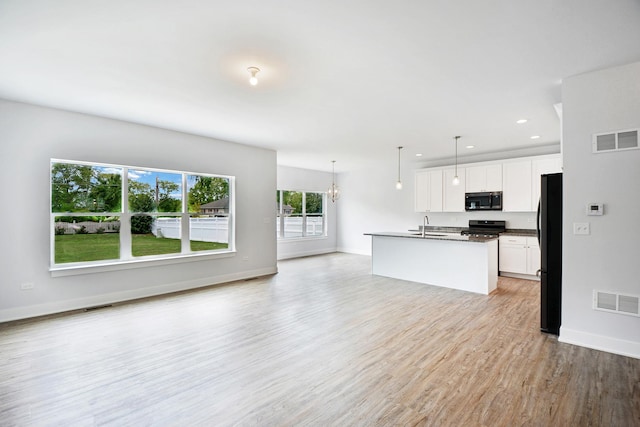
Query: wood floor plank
[321,343]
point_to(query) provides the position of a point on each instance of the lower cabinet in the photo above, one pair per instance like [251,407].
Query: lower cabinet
[519,255]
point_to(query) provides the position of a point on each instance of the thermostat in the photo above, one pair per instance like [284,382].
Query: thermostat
[595,209]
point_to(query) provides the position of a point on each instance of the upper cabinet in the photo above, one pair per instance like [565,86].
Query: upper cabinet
[428,191]
[484,178]
[516,186]
[521,182]
[518,179]
[454,194]
[541,167]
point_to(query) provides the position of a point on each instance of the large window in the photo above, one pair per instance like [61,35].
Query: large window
[300,214]
[104,214]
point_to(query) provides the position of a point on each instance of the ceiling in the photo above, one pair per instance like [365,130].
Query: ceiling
[340,80]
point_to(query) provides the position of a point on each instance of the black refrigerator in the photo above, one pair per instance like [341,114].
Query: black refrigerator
[549,226]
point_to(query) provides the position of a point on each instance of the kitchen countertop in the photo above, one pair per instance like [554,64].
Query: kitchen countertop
[510,231]
[434,235]
[520,232]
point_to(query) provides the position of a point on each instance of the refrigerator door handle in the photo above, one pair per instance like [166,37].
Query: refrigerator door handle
[538,273]
[538,222]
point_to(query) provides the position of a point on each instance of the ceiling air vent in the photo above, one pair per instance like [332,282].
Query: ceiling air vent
[616,303]
[615,141]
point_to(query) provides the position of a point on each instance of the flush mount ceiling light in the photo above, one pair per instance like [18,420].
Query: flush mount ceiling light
[253,80]
[471,146]
[334,191]
[418,154]
[399,182]
[521,121]
[456,180]
[535,137]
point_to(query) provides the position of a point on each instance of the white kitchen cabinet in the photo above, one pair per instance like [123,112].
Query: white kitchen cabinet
[484,178]
[519,255]
[428,191]
[516,186]
[453,194]
[540,167]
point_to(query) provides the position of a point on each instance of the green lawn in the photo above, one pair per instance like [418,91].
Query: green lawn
[95,247]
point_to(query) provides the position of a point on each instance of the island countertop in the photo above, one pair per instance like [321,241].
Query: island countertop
[433,235]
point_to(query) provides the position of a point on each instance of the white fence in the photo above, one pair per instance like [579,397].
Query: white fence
[214,229]
[293,226]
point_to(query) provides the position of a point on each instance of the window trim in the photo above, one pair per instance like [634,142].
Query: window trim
[126,259]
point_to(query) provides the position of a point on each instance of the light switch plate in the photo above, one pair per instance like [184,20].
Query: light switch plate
[581,228]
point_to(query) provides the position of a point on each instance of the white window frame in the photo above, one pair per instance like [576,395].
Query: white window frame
[127,260]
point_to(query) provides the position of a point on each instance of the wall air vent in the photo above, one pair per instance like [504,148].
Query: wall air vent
[615,141]
[616,303]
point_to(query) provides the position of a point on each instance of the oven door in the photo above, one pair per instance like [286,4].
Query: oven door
[477,201]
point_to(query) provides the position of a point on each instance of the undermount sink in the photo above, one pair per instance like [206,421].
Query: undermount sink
[429,234]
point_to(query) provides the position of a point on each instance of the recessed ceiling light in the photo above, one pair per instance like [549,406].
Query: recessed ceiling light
[418,154]
[521,121]
[471,146]
[535,137]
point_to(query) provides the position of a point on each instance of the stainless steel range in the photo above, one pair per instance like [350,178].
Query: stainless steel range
[484,228]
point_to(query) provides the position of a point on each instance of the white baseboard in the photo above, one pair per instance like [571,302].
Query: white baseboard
[111,298]
[600,342]
[305,253]
[354,251]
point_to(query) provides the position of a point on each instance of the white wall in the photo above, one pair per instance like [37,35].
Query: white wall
[30,136]
[609,258]
[371,203]
[308,180]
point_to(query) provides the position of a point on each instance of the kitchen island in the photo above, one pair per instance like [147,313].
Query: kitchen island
[441,259]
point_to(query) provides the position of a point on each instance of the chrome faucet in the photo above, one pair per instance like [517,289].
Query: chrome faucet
[425,221]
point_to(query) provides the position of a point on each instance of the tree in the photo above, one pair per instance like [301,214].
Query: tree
[70,187]
[166,203]
[293,199]
[206,190]
[313,203]
[141,200]
[107,192]
[141,197]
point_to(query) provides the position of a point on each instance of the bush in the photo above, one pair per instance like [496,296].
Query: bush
[141,224]
[60,230]
[100,230]
[82,230]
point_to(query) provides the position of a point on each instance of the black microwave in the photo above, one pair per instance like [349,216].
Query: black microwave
[485,201]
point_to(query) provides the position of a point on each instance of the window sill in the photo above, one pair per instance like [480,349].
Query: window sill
[73,270]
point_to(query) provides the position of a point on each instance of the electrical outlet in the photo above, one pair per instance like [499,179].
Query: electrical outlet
[581,228]
[27,286]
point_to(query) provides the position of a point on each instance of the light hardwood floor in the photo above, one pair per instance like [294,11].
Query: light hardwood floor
[321,343]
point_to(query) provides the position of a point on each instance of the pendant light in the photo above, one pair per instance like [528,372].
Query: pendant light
[334,191]
[399,182]
[456,180]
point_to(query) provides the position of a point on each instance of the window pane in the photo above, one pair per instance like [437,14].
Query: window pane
[79,239]
[313,203]
[208,195]
[292,211]
[154,191]
[83,188]
[208,232]
[151,235]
